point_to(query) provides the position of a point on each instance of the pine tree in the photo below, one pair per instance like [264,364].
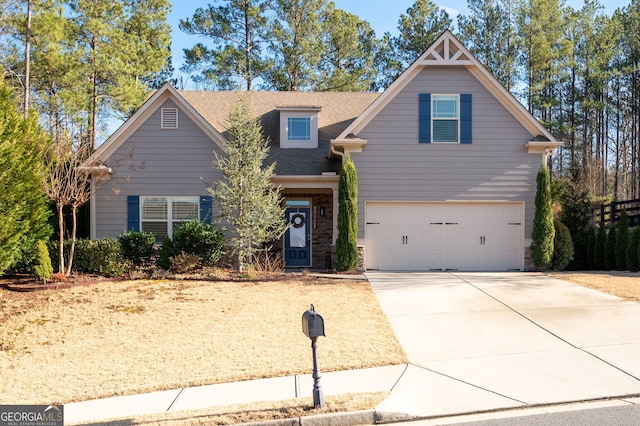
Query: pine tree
[576,215]
[296,43]
[239,29]
[245,196]
[422,24]
[543,232]
[347,241]
[622,241]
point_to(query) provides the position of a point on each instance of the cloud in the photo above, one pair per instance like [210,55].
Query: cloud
[451,11]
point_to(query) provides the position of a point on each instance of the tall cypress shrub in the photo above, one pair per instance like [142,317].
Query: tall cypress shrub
[599,251]
[543,232]
[633,250]
[347,242]
[610,249]
[622,241]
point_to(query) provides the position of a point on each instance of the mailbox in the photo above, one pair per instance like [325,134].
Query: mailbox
[312,323]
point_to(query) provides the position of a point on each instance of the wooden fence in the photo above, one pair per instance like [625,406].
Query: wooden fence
[610,213]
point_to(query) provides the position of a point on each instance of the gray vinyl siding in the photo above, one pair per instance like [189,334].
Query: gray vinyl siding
[155,162]
[394,166]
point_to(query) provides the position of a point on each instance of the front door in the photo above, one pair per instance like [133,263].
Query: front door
[297,239]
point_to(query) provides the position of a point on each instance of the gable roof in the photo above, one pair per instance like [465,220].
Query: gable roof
[448,50]
[210,111]
[160,96]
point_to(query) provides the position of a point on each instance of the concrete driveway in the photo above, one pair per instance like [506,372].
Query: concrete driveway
[488,341]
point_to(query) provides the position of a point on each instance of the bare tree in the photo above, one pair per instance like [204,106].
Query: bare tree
[70,179]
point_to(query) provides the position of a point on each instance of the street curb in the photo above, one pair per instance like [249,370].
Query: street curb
[348,418]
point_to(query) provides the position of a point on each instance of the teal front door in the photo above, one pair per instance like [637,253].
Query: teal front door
[297,239]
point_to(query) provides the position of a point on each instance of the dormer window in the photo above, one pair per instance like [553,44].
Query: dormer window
[299,127]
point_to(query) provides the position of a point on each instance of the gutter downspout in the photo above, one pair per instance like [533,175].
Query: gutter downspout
[336,152]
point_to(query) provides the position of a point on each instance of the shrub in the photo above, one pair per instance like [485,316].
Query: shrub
[633,250]
[610,249]
[622,241]
[591,247]
[200,239]
[543,233]
[43,268]
[138,247]
[599,252]
[166,251]
[563,250]
[103,257]
[347,241]
[185,262]
[267,261]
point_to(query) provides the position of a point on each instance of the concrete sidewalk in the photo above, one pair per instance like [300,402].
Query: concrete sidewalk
[493,341]
[380,379]
[476,342]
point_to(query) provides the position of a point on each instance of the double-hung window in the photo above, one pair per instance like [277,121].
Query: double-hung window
[162,215]
[445,118]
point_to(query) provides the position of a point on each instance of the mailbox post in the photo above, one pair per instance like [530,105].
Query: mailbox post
[313,327]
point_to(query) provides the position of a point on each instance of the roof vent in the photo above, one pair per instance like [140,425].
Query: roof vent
[169,118]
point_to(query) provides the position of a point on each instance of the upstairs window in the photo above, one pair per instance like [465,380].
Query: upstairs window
[446,118]
[299,127]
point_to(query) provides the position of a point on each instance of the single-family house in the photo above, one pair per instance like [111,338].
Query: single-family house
[446,161]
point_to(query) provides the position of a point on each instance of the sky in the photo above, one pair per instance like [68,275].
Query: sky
[383,16]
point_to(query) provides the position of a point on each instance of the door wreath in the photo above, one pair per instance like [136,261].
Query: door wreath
[297,220]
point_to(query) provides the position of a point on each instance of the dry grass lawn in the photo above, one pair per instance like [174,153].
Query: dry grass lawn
[118,338]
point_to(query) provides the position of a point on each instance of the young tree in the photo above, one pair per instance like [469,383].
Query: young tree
[246,198]
[23,207]
[239,30]
[68,181]
[347,242]
[543,232]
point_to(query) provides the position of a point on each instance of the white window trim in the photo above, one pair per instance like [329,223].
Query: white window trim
[169,220]
[285,114]
[433,118]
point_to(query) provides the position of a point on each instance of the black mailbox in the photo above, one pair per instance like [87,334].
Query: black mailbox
[312,323]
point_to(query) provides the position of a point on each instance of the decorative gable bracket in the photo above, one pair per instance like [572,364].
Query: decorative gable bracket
[543,147]
[447,52]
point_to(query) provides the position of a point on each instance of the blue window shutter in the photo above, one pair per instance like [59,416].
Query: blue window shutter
[133,213]
[205,209]
[424,118]
[465,118]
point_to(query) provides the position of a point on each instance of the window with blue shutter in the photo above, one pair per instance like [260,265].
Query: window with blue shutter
[424,117]
[466,134]
[133,213]
[445,118]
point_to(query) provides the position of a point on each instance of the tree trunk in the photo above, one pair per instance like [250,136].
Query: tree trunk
[60,239]
[74,221]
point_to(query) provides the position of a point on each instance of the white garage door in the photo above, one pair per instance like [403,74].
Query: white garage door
[444,236]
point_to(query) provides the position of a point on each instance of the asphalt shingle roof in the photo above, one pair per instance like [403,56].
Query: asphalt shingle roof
[337,111]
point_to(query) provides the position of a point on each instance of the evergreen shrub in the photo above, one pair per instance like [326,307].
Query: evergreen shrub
[563,250]
[138,247]
[200,239]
